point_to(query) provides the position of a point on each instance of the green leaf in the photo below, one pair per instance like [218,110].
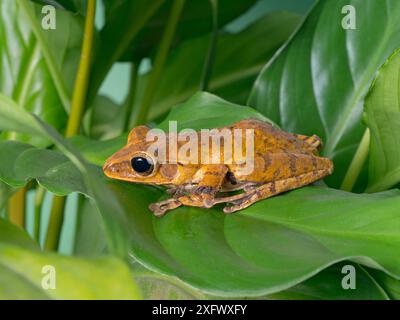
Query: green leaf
[123,23]
[70,5]
[25,75]
[327,285]
[21,276]
[239,58]
[22,163]
[318,227]
[391,285]
[22,265]
[90,239]
[5,193]
[206,111]
[13,235]
[196,19]
[382,115]
[317,83]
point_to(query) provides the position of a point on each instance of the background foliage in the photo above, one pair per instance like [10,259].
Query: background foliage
[291,62]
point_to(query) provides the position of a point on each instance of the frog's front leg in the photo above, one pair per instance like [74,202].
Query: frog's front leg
[160,208]
[210,179]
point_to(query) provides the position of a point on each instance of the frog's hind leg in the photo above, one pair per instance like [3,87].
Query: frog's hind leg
[267,190]
[313,141]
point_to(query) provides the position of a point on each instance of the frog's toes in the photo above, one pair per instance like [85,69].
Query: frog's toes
[160,208]
[157,209]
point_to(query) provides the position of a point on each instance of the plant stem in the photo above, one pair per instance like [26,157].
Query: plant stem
[40,193]
[55,224]
[209,63]
[357,163]
[74,121]
[16,208]
[140,116]
[82,78]
[130,101]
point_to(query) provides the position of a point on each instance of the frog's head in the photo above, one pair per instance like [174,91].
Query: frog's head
[134,162]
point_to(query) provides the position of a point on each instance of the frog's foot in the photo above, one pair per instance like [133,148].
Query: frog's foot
[201,196]
[246,199]
[160,208]
[314,141]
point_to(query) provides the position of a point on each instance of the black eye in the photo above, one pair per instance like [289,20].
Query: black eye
[142,165]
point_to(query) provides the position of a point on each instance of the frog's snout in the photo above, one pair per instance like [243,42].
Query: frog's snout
[108,168]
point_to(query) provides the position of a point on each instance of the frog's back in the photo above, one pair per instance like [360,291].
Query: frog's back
[270,139]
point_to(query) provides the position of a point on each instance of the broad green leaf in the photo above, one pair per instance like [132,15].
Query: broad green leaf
[196,19]
[318,227]
[327,285]
[25,76]
[13,235]
[22,163]
[382,115]
[123,23]
[96,152]
[206,111]
[105,119]
[317,83]
[90,239]
[239,58]
[22,274]
[22,270]
[390,285]
[14,118]
[5,193]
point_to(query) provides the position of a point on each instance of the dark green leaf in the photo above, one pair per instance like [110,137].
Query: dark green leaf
[124,21]
[239,58]
[196,19]
[71,5]
[318,81]
[382,114]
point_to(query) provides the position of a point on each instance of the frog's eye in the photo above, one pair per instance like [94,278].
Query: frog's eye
[142,165]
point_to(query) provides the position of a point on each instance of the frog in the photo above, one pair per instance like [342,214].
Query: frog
[282,161]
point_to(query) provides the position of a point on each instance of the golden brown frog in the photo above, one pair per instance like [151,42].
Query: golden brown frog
[281,161]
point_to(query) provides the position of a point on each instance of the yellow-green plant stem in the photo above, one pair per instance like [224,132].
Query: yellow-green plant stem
[140,116]
[39,197]
[55,223]
[82,78]
[357,163]
[74,121]
[130,101]
[209,63]
[16,208]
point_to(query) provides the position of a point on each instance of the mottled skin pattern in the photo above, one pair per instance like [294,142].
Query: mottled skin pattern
[282,161]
